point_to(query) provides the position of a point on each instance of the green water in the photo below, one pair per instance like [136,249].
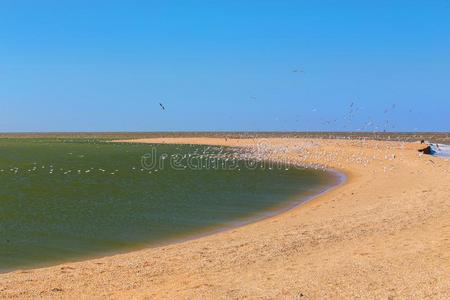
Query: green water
[69,200]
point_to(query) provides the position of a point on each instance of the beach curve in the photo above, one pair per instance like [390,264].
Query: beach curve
[353,241]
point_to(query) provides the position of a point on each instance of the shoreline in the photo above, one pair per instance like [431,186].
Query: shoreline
[384,233]
[256,216]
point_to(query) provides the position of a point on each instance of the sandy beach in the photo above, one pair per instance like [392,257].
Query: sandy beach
[384,234]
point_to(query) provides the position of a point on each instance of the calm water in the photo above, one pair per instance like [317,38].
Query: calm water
[68,200]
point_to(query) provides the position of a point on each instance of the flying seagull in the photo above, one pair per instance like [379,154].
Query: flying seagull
[162,106]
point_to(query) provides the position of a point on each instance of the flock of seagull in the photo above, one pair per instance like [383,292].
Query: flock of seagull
[261,155]
[217,155]
[50,169]
[370,125]
[201,157]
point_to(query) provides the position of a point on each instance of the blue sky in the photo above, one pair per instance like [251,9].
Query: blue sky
[224,65]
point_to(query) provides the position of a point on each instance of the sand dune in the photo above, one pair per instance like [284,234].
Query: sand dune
[384,234]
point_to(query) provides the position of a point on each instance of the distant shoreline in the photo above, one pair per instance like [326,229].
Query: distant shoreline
[435,137]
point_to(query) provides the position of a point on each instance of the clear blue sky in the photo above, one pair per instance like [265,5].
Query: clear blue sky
[224,65]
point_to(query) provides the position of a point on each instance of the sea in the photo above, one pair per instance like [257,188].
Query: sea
[73,199]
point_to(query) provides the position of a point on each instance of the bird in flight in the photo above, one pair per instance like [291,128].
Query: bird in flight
[162,106]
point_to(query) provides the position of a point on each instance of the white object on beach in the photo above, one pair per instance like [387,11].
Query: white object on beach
[441,150]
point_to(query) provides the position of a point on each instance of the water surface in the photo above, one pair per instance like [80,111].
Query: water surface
[65,200]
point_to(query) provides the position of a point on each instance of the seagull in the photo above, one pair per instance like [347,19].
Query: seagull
[162,106]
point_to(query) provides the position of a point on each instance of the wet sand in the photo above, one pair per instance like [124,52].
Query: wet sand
[384,234]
